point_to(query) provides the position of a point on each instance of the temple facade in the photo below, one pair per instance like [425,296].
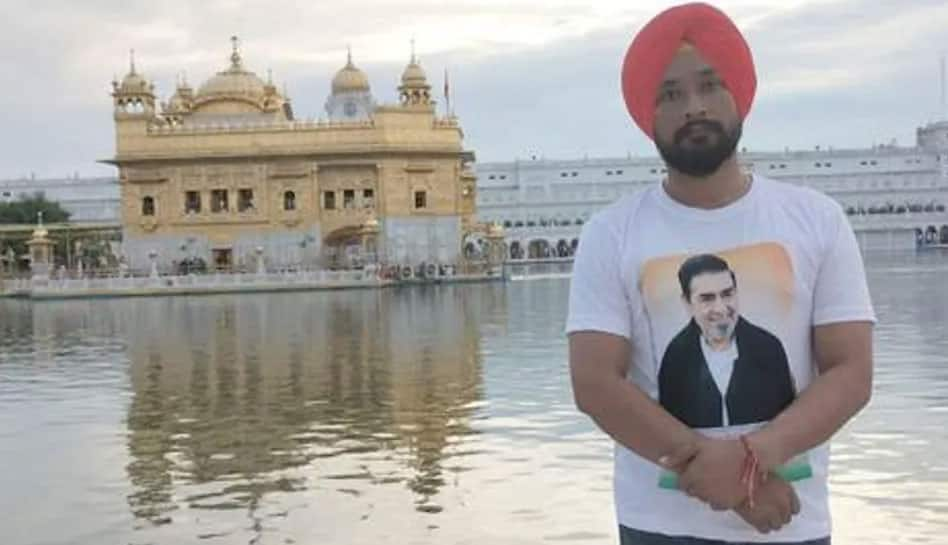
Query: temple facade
[224,174]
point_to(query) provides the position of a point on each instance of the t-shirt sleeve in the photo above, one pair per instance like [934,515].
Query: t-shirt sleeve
[598,298]
[841,293]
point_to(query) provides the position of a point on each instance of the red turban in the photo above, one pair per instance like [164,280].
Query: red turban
[715,37]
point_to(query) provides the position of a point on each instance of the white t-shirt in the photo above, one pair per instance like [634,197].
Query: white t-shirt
[796,264]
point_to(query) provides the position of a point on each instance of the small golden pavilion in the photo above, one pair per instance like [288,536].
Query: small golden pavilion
[226,174]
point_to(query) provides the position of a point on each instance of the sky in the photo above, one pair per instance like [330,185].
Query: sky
[526,77]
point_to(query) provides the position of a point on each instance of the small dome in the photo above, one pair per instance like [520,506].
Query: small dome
[414,74]
[134,82]
[349,78]
[414,90]
[177,103]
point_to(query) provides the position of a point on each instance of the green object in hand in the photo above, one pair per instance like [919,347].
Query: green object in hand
[795,470]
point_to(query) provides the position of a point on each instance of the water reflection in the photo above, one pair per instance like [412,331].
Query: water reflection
[231,394]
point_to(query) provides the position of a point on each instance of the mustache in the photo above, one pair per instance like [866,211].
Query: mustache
[707,124]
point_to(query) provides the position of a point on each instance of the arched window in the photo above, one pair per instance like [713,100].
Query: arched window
[289,200]
[148,206]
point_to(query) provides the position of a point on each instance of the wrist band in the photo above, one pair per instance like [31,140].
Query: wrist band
[749,473]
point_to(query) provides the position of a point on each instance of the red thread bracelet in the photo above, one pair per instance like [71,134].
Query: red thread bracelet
[749,473]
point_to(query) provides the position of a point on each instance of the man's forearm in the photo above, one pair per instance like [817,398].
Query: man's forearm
[637,422]
[818,413]
[599,363]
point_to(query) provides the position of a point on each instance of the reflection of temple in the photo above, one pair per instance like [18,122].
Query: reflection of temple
[215,173]
[242,396]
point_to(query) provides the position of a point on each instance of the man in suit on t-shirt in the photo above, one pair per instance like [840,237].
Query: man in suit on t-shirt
[721,370]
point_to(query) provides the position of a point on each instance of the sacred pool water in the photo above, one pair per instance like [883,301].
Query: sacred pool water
[429,415]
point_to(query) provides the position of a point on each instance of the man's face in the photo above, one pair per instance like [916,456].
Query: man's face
[713,304]
[697,126]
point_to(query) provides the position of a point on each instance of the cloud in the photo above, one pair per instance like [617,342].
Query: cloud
[526,81]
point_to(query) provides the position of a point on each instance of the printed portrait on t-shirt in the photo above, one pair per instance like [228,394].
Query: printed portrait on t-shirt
[716,324]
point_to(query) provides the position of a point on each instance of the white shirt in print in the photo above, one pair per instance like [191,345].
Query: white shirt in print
[721,365]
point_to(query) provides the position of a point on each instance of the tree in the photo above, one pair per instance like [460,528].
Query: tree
[26,208]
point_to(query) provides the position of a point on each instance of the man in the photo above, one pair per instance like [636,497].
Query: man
[721,370]
[689,81]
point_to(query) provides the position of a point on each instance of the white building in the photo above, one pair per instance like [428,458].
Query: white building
[892,194]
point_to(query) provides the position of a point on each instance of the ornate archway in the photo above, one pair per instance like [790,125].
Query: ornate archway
[562,248]
[352,246]
[474,247]
[539,249]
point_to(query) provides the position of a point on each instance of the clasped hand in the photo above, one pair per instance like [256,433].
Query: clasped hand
[711,469]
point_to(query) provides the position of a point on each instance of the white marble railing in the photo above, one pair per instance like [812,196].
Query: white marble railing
[14,285]
[882,222]
[197,282]
[259,126]
[873,222]
[549,232]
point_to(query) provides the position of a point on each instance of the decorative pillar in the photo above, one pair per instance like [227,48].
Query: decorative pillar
[368,238]
[41,252]
[495,248]
[78,256]
[9,261]
[9,265]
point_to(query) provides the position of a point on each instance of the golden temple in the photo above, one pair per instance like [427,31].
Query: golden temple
[226,175]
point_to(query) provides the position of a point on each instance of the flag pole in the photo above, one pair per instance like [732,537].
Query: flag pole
[447,94]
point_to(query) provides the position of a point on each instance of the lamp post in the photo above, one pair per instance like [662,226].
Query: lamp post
[261,266]
[153,257]
[40,250]
[79,265]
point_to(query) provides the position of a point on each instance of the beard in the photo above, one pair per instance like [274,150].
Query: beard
[703,160]
[718,332]
[723,331]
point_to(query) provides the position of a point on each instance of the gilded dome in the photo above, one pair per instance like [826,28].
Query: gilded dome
[235,82]
[349,78]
